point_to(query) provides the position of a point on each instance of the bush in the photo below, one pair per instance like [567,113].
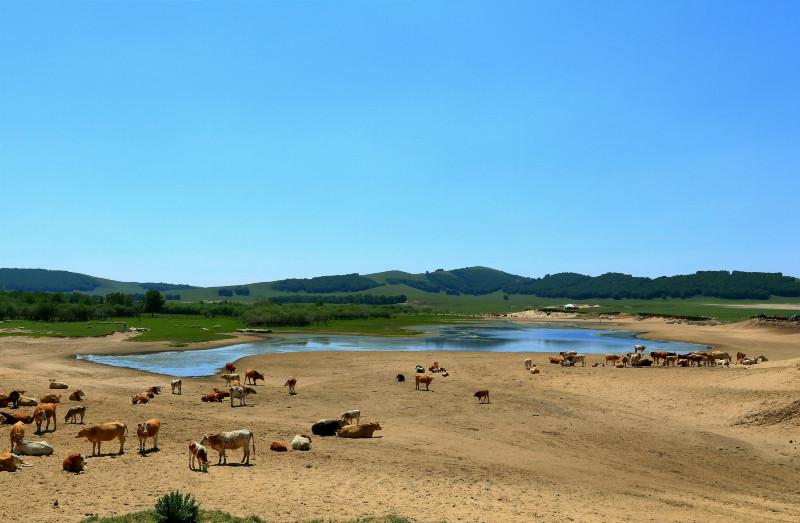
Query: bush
[177,508]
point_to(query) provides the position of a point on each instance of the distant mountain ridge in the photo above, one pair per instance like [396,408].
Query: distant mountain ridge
[467,280]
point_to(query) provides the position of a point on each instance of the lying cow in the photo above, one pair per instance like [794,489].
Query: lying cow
[32,448]
[327,427]
[253,375]
[176,386]
[74,462]
[277,446]
[11,462]
[148,429]
[12,399]
[101,432]
[359,431]
[555,360]
[50,398]
[199,453]
[28,402]
[351,416]
[212,397]
[58,385]
[139,399]
[11,418]
[77,395]
[74,412]
[236,439]
[45,412]
[301,442]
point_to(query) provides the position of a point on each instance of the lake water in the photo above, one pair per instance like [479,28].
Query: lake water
[492,337]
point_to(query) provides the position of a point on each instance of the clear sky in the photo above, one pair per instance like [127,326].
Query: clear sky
[232,142]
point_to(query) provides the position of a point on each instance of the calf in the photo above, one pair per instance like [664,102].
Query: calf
[482,394]
[232,440]
[423,379]
[350,416]
[17,433]
[11,462]
[148,429]
[176,386]
[291,382]
[105,432]
[359,431]
[45,412]
[253,375]
[199,453]
[74,462]
[74,412]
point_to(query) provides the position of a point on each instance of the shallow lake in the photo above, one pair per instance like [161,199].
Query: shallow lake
[492,337]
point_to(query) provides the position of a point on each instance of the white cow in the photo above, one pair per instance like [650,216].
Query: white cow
[32,448]
[235,439]
[301,442]
[528,363]
[176,385]
[350,416]
[241,394]
[230,378]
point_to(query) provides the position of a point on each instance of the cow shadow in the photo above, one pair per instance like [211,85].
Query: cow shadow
[234,465]
[147,452]
[247,405]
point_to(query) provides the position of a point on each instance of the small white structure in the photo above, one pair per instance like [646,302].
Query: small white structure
[570,307]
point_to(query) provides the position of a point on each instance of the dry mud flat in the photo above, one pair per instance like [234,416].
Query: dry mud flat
[578,444]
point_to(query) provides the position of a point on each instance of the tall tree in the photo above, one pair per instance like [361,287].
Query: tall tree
[153,301]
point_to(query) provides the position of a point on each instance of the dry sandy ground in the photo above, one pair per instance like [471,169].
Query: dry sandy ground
[580,444]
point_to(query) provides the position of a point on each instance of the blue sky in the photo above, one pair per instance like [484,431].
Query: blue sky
[218,143]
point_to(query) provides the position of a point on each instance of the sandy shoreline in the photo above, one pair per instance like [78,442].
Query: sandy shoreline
[584,444]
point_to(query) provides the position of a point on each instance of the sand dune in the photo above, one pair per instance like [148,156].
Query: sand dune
[582,444]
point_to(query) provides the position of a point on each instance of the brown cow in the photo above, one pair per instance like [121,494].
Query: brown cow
[139,399]
[230,367]
[212,397]
[105,432]
[481,395]
[556,360]
[423,379]
[253,375]
[13,399]
[278,446]
[50,398]
[77,395]
[739,357]
[359,431]
[10,419]
[17,433]
[45,412]
[612,359]
[197,451]
[221,393]
[11,462]
[148,429]
[291,382]
[74,462]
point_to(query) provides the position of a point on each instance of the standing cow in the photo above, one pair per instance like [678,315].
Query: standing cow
[108,431]
[235,439]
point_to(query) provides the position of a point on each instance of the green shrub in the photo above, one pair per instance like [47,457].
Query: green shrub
[177,508]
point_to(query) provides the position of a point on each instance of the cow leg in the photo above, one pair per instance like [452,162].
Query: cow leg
[191,455]
[98,447]
[155,442]
[121,444]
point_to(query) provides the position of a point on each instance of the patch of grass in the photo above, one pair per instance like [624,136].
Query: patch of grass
[59,329]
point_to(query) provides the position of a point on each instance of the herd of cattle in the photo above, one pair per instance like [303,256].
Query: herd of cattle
[637,358]
[346,426]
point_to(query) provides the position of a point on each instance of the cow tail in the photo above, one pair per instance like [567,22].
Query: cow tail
[253,441]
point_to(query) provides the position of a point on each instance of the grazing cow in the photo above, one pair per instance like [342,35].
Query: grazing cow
[139,399]
[423,379]
[198,452]
[77,395]
[327,427]
[612,359]
[241,393]
[74,412]
[291,382]
[230,379]
[350,416]
[32,448]
[359,431]
[176,386]
[230,368]
[101,432]
[50,398]
[148,429]
[555,360]
[58,385]
[301,442]
[577,358]
[739,357]
[212,397]
[232,440]
[10,419]
[45,412]
[400,378]
[278,447]
[74,462]
[17,433]
[482,394]
[420,369]
[528,362]
[253,375]
[11,462]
